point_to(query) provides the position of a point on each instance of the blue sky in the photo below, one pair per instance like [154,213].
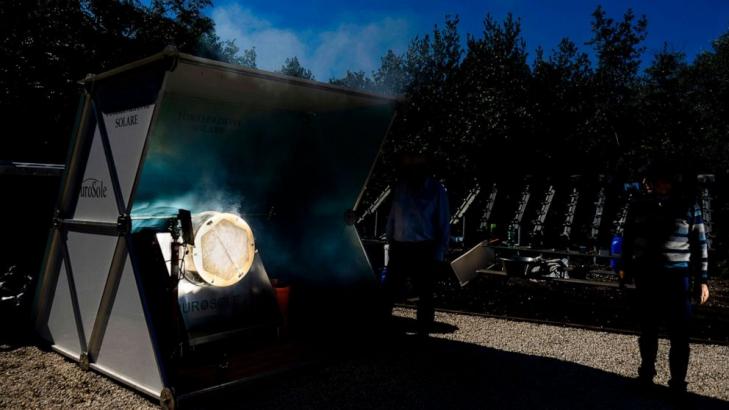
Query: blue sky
[330,37]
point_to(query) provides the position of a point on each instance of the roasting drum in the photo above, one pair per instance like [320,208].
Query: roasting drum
[223,252]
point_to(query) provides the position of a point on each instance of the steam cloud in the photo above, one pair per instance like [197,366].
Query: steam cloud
[215,200]
[327,53]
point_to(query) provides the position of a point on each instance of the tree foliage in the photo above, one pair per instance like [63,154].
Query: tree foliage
[480,107]
[357,80]
[49,45]
[211,46]
[389,79]
[485,112]
[293,68]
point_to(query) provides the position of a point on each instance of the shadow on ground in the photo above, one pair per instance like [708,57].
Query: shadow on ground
[15,332]
[402,372]
[575,304]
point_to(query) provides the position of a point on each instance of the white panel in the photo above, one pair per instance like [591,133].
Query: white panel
[127,132]
[96,200]
[61,322]
[90,257]
[126,350]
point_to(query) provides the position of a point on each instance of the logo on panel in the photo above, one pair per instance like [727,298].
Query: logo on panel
[93,188]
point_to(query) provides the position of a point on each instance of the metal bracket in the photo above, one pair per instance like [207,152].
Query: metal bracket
[73,292]
[167,399]
[57,220]
[83,361]
[88,83]
[113,278]
[173,55]
[124,224]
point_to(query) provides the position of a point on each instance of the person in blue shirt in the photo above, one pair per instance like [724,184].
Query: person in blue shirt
[663,248]
[418,231]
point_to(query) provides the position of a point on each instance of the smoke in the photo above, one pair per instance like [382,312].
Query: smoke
[154,214]
[210,200]
[328,52]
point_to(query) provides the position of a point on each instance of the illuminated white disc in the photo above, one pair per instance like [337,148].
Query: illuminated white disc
[224,249]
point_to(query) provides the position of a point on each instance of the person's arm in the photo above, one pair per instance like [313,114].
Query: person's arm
[443,216]
[700,252]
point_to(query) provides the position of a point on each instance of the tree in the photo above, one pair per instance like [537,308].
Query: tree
[430,69]
[357,80]
[666,116]
[617,45]
[493,99]
[391,77]
[707,85]
[293,68]
[47,49]
[425,77]
[248,59]
[561,105]
[211,46]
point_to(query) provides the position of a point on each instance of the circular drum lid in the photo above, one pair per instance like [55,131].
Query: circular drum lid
[224,249]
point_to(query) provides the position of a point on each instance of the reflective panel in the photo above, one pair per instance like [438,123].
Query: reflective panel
[96,200]
[90,256]
[290,158]
[62,324]
[126,351]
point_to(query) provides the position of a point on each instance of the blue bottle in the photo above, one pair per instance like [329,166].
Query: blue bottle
[616,248]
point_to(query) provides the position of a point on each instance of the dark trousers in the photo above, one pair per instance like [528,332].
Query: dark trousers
[664,296]
[414,260]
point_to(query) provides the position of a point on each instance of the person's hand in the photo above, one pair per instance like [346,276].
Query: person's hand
[704,293]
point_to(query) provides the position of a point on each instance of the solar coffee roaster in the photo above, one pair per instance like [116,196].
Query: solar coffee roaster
[190,185]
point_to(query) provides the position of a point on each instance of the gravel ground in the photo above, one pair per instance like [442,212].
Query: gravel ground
[470,362]
[33,378]
[582,305]
[614,353]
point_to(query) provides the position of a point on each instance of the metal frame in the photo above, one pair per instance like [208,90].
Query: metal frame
[598,213]
[377,157]
[107,299]
[74,294]
[543,210]
[467,201]
[373,209]
[376,204]
[705,181]
[89,121]
[622,214]
[76,160]
[31,168]
[57,250]
[571,210]
[488,208]
[514,227]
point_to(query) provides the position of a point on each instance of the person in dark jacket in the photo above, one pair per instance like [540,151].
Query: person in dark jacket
[418,233]
[665,246]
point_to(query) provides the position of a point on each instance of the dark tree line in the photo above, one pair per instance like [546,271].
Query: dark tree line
[483,106]
[49,45]
[485,111]
[477,104]
[293,68]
